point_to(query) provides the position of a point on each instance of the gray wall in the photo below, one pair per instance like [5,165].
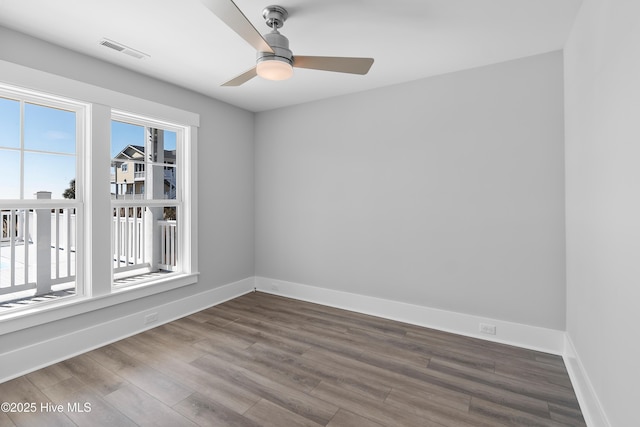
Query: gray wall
[225,173]
[603,204]
[446,192]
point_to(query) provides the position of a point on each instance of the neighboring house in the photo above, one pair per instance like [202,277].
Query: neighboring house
[129,174]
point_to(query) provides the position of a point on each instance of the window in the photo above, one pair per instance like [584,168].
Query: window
[145,231]
[58,204]
[41,140]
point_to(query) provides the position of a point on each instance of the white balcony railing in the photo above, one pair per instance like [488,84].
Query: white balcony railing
[128,239]
[168,245]
[38,247]
[128,197]
[37,251]
[141,242]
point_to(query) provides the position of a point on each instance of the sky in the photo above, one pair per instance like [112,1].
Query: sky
[49,161]
[123,134]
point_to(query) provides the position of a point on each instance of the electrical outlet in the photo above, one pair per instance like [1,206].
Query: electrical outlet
[486,328]
[150,318]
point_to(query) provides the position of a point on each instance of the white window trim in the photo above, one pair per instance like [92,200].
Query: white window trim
[42,82]
[100,102]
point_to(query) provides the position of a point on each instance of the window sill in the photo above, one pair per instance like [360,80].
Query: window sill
[73,306]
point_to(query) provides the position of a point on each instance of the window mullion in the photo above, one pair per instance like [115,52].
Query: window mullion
[97,196]
[21,150]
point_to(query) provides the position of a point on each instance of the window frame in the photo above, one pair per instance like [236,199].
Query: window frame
[81,111]
[183,228]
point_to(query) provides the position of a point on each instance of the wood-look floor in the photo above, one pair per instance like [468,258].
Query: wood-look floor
[261,360]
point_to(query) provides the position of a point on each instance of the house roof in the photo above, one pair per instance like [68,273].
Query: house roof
[130,151]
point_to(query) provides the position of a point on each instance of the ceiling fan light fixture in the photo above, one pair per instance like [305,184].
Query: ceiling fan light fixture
[276,65]
[274,69]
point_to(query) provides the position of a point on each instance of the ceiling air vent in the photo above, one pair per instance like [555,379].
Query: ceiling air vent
[122,48]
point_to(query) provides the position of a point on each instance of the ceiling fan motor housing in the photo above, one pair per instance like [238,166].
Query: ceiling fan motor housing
[280,46]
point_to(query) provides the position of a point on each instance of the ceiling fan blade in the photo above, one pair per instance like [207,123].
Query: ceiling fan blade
[229,13]
[242,78]
[334,63]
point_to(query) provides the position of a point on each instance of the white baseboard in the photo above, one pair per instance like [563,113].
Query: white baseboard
[30,358]
[530,337]
[44,353]
[592,409]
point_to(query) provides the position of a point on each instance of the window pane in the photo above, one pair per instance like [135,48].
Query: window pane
[10,161]
[48,172]
[144,240]
[38,243]
[168,239]
[169,147]
[9,123]
[170,168]
[124,134]
[49,129]
[170,182]
[37,235]
[127,148]
[142,162]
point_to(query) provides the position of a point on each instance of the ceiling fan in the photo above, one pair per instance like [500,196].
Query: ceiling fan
[274,60]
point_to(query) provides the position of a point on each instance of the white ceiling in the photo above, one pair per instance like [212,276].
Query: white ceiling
[409,39]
